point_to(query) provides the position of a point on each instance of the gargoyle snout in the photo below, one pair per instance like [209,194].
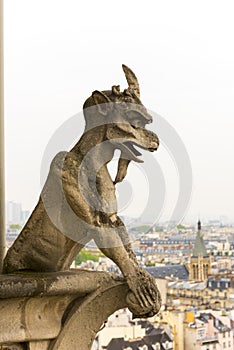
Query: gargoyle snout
[149,118]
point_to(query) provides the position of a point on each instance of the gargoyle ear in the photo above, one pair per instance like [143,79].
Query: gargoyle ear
[101,100]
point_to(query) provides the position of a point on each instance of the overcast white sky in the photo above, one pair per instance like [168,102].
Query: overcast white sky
[58,51]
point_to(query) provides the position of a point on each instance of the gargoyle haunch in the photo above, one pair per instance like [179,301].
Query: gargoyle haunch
[78,201]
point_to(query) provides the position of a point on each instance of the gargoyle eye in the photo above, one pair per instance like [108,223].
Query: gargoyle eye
[136,119]
[122,106]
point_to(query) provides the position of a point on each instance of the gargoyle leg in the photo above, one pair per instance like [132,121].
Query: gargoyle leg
[114,249]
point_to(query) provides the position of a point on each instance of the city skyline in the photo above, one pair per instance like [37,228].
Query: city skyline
[223,219]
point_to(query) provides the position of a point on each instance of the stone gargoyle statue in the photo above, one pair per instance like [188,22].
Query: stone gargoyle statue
[78,201]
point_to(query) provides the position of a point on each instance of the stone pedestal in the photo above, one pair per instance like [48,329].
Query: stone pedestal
[57,311]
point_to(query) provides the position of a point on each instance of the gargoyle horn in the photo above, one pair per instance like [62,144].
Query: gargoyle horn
[132,80]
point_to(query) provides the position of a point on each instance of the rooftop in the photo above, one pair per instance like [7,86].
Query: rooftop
[176,271]
[159,336]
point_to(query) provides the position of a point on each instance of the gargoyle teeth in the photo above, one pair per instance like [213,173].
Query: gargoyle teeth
[129,152]
[132,148]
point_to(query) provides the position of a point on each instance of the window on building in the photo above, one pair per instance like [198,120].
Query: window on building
[157,346]
[200,333]
[224,345]
[206,270]
[194,271]
[229,344]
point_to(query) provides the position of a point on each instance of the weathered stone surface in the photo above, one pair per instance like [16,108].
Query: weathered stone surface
[38,345]
[38,315]
[55,317]
[27,284]
[13,347]
[87,317]
[78,201]
[50,308]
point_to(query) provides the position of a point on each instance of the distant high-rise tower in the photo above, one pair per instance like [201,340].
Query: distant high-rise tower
[199,267]
[13,213]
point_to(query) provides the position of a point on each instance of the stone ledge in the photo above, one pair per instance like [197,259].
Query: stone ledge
[26,284]
[56,311]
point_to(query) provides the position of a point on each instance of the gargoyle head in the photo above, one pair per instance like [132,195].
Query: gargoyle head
[125,118]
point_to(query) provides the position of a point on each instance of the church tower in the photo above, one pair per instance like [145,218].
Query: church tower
[199,267]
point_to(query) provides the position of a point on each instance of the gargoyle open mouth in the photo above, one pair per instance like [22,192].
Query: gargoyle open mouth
[129,146]
[131,153]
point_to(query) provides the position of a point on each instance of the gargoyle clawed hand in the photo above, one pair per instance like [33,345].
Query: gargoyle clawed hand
[78,201]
